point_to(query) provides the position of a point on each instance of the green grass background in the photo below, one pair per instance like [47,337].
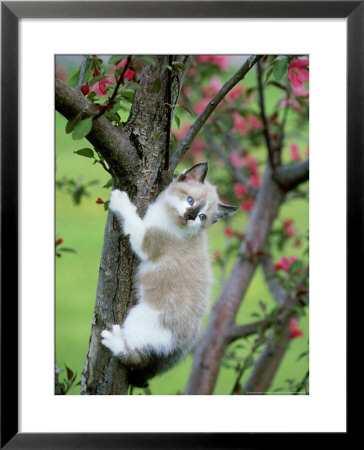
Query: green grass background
[82,227]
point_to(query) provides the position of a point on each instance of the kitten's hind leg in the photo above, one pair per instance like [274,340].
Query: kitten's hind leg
[133,225]
[114,340]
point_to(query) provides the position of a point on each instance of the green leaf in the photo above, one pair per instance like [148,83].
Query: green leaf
[169,67]
[133,85]
[108,184]
[87,152]
[280,68]
[159,136]
[82,129]
[70,125]
[185,108]
[128,94]
[157,85]
[178,65]
[106,205]
[268,74]
[73,81]
[297,265]
[178,120]
[116,59]
[147,59]
[94,80]
[66,249]
[302,355]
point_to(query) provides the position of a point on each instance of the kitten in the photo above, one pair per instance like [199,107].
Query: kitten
[174,277]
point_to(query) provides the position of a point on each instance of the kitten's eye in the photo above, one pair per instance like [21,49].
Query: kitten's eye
[202,217]
[190,200]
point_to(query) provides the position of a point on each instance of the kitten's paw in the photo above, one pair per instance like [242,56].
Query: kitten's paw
[114,340]
[120,203]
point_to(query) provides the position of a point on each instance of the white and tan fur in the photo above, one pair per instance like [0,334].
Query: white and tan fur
[174,277]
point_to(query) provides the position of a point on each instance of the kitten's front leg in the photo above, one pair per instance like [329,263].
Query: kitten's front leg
[133,225]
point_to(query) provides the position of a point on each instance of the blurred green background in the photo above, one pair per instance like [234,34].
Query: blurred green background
[81,228]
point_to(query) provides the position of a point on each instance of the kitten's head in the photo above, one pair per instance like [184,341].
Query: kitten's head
[194,202]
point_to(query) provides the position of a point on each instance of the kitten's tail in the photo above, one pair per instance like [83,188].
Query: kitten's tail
[157,364]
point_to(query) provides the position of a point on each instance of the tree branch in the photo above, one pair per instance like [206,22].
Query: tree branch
[289,177]
[212,105]
[243,331]
[209,353]
[268,361]
[110,141]
[272,154]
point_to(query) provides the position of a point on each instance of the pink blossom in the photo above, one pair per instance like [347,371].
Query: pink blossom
[289,230]
[237,161]
[285,263]
[254,122]
[254,180]
[240,190]
[221,61]
[247,205]
[217,255]
[295,154]
[61,72]
[213,88]
[180,133]
[300,91]
[121,63]
[240,124]
[235,93]
[292,102]
[197,146]
[201,105]
[297,74]
[129,75]
[252,163]
[228,232]
[294,331]
[100,86]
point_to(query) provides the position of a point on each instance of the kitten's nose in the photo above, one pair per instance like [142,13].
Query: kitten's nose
[191,214]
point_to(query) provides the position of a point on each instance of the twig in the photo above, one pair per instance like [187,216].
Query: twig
[303,384]
[270,148]
[243,331]
[236,388]
[220,152]
[82,71]
[278,293]
[119,82]
[211,106]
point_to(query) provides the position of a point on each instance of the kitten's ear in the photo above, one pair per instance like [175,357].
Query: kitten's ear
[196,173]
[222,211]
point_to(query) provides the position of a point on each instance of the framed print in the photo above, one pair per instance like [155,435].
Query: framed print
[265,94]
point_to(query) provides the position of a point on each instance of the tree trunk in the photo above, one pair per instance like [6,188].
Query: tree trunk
[104,374]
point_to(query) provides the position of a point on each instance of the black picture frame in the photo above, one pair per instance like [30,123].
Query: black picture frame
[11,12]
